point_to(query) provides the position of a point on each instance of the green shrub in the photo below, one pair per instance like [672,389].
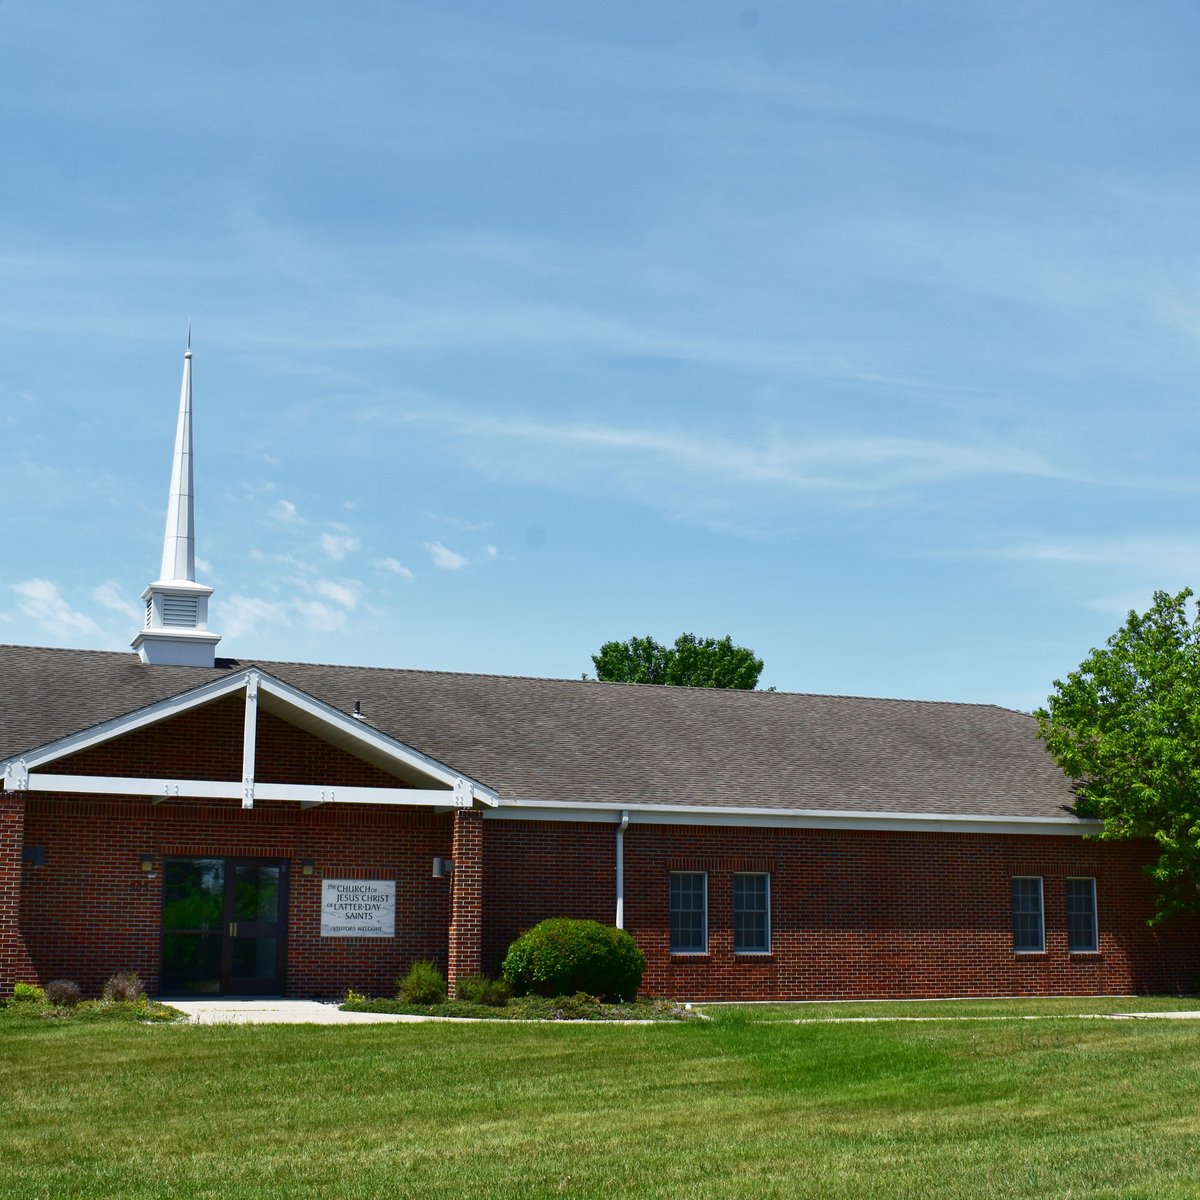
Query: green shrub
[62,993]
[424,984]
[124,986]
[561,957]
[579,1007]
[478,988]
[353,997]
[28,993]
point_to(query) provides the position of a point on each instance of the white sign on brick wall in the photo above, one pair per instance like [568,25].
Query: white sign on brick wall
[358,908]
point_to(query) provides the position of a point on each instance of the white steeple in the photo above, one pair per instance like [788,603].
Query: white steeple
[176,630]
[179,543]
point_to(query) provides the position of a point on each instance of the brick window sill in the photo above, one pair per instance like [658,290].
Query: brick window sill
[753,955]
[690,955]
[1084,954]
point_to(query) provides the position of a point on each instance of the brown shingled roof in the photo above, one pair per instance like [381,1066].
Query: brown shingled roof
[569,740]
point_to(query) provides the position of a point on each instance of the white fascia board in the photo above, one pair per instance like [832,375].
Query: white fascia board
[775,818]
[369,736]
[159,789]
[232,789]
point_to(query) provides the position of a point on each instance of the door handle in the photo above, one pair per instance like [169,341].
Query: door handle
[233,929]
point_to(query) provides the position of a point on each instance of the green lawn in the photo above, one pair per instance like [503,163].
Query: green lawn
[735,1107]
[1046,1006]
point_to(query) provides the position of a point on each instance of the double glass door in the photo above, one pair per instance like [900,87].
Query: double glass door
[224,926]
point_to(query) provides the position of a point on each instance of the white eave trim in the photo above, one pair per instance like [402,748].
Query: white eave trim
[795,818]
[232,789]
[255,682]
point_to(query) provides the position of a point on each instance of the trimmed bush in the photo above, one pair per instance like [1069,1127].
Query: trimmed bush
[124,986]
[62,993]
[28,993]
[424,984]
[561,957]
[478,988]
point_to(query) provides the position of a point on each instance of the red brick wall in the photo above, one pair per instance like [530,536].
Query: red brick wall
[538,869]
[90,911]
[467,911]
[15,966]
[854,914]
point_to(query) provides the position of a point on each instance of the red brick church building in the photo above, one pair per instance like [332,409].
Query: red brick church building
[239,826]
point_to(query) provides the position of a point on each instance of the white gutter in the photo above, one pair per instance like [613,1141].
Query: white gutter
[784,818]
[620,921]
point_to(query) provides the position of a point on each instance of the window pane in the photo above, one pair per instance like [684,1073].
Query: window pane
[193,893]
[751,906]
[191,963]
[1082,935]
[689,932]
[255,958]
[1027,914]
[257,892]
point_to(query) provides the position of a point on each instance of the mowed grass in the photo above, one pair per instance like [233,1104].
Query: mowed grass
[1042,1006]
[732,1107]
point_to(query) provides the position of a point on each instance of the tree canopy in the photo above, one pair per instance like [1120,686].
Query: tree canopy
[691,662]
[1126,727]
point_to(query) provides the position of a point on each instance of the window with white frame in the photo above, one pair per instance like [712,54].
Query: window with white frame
[752,913]
[689,912]
[1083,934]
[1028,924]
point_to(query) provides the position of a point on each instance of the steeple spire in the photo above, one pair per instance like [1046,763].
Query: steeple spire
[176,630]
[179,543]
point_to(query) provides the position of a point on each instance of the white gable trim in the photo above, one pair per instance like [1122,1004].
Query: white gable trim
[254,684]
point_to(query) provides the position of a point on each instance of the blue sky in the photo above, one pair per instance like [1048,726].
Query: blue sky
[865,333]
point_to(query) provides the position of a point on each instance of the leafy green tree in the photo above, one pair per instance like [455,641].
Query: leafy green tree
[1126,727]
[691,662]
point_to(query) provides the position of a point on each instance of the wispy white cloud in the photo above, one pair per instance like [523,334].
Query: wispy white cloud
[43,603]
[240,615]
[319,617]
[445,558]
[849,464]
[338,593]
[459,523]
[395,567]
[287,513]
[1119,604]
[1165,555]
[338,545]
[112,596]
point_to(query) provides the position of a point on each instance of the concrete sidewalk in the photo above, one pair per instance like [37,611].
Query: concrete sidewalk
[274,1011]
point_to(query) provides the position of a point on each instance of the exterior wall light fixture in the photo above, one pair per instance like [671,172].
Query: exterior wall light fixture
[147,863]
[33,856]
[308,866]
[442,867]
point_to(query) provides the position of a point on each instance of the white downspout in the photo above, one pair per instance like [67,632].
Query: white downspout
[620,922]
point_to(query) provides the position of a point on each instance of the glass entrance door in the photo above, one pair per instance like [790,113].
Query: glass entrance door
[224,926]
